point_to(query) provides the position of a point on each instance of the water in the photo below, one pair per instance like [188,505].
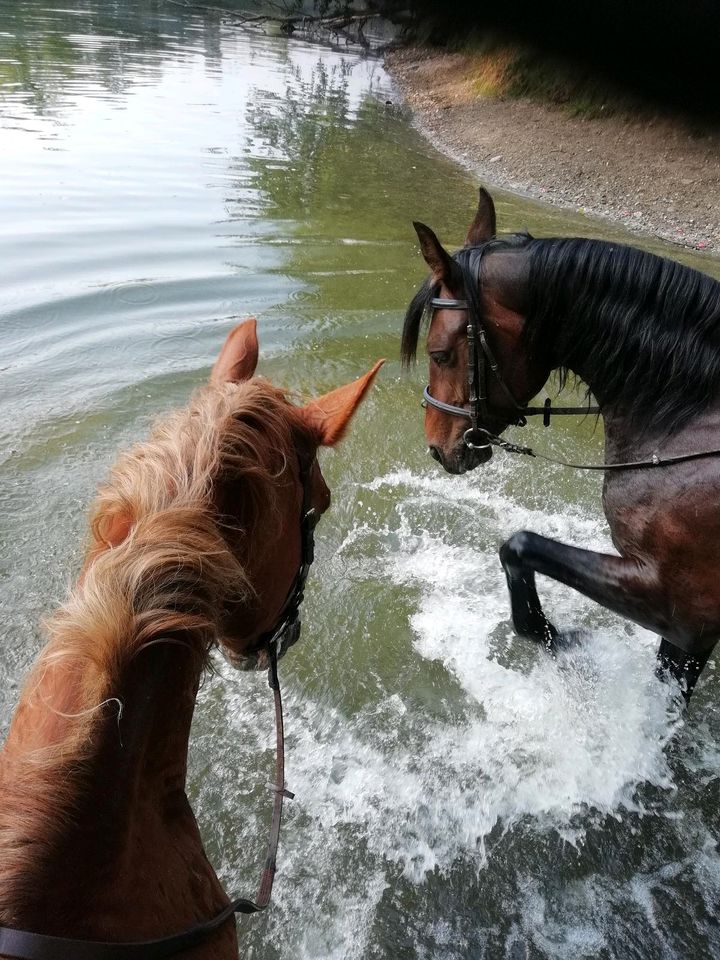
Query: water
[459,795]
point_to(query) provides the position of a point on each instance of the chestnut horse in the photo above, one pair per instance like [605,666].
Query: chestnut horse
[195,539]
[643,333]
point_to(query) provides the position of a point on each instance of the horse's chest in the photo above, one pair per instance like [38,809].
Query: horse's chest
[632,508]
[651,514]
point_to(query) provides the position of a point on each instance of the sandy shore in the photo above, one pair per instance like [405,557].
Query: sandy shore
[654,174]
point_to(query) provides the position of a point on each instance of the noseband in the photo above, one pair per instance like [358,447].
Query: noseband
[481,363]
[24,945]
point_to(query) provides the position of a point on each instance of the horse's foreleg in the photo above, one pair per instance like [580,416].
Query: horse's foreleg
[625,586]
[528,616]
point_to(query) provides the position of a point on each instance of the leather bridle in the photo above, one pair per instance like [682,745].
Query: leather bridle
[25,945]
[481,364]
[287,629]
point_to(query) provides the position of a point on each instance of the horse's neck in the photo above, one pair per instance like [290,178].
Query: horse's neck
[93,813]
[625,441]
[639,330]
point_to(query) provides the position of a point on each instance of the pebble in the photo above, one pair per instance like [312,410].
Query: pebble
[587,168]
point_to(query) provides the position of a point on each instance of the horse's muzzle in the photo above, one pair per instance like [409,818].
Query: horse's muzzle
[259,658]
[462,459]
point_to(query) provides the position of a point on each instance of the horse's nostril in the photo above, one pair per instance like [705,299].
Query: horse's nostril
[434,453]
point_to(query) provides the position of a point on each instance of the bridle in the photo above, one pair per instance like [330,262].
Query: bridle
[481,364]
[25,945]
[286,631]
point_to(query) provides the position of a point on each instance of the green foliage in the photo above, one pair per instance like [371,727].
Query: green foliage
[550,80]
[514,70]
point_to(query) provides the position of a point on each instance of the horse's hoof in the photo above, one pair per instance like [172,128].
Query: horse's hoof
[538,629]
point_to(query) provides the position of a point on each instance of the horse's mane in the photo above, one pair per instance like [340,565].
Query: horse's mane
[193,492]
[174,577]
[644,330]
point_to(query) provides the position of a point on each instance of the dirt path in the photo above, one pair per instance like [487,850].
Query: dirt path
[654,174]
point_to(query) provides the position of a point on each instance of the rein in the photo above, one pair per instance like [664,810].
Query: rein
[478,438]
[655,460]
[25,945]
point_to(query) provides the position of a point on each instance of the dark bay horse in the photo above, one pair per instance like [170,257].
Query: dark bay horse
[643,333]
[201,535]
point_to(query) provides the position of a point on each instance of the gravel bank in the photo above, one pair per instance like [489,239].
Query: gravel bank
[654,174]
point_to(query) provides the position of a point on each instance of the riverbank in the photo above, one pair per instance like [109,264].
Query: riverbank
[656,174]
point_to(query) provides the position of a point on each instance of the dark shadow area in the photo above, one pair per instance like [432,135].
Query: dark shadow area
[665,51]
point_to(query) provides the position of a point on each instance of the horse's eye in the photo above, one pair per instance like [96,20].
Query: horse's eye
[440,357]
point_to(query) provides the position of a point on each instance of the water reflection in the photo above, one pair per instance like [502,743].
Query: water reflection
[325,162]
[49,53]
[302,127]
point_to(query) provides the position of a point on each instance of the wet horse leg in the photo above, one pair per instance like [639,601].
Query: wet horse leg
[528,615]
[627,587]
[681,665]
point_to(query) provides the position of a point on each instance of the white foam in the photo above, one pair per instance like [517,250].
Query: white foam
[543,741]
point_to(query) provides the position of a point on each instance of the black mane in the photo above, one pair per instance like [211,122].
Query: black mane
[642,330]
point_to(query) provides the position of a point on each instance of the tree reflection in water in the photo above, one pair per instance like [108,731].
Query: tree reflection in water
[111,43]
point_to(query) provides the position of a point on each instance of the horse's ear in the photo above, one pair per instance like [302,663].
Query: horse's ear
[329,416]
[239,355]
[434,254]
[484,226]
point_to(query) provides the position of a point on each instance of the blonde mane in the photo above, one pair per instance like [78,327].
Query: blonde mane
[189,501]
[191,497]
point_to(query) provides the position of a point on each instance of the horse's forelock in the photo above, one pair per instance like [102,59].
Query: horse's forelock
[468,264]
[416,313]
[229,434]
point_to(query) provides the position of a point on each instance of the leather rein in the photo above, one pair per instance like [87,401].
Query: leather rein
[25,945]
[482,362]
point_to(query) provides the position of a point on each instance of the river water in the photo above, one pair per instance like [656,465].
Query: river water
[164,172]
